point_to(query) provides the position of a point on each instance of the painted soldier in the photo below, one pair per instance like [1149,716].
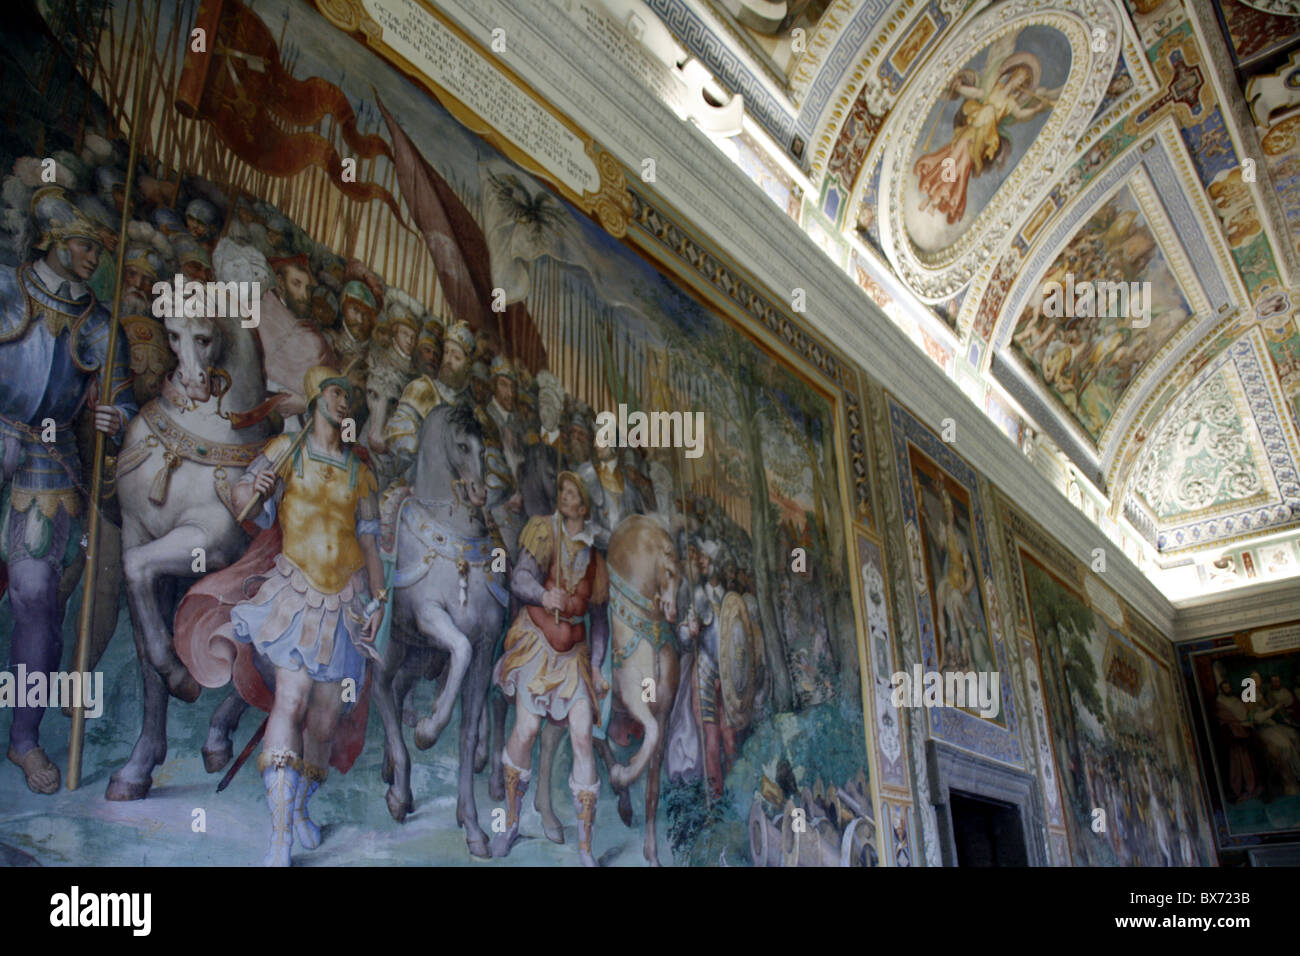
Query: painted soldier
[291,345]
[501,408]
[314,609]
[53,342]
[701,628]
[351,339]
[549,667]
[424,393]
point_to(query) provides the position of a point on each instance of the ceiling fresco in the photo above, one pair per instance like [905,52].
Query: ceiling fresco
[984,159]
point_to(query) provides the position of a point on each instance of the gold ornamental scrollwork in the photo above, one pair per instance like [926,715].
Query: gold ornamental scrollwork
[612,203]
[344,14]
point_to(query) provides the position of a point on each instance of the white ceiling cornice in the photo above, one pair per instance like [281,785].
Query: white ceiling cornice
[584,83]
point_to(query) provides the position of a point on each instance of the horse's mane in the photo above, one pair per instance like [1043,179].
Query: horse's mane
[461,418]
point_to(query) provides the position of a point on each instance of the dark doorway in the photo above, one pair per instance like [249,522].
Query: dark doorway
[987,832]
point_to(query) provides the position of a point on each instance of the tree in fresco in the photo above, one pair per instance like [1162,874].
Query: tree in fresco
[782,435]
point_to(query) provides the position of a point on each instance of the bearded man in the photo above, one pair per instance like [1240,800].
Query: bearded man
[291,344]
[424,393]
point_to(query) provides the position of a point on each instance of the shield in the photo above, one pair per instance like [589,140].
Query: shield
[739,651]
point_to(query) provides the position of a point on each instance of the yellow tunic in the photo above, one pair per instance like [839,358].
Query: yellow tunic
[318,513]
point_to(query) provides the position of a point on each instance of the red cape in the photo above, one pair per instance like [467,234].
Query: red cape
[205,642]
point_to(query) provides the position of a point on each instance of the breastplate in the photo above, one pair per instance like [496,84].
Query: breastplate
[318,517]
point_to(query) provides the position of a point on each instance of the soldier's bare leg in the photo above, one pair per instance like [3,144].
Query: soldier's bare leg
[516,760]
[281,757]
[37,644]
[552,735]
[324,708]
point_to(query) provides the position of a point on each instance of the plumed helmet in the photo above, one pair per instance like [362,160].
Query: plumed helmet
[430,333]
[501,367]
[462,337]
[203,211]
[58,218]
[144,260]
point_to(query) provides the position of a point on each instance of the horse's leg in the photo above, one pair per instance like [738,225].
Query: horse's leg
[624,795]
[475,692]
[497,781]
[218,748]
[621,775]
[484,741]
[552,733]
[404,690]
[133,780]
[168,556]
[436,625]
[651,848]
[396,664]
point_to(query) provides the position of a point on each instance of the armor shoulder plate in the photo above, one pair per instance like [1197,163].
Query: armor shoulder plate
[421,395]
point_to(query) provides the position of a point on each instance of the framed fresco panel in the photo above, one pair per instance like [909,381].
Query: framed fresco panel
[951,573]
[489,276]
[1123,759]
[1244,691]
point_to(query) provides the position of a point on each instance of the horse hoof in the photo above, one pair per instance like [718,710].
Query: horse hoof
[127,789]
[215,760]
[397,807]
[625,807]
[386,770]
[479,848]
[554,831]
[425,737]
[182,686]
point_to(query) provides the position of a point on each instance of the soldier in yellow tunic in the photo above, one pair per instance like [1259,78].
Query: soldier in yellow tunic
[314,609]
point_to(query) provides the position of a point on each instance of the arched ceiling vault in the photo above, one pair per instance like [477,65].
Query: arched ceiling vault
[995,160]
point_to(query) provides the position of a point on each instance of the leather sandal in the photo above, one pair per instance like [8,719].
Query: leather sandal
[42,775]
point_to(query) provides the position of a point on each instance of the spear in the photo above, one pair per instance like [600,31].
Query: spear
[86,618]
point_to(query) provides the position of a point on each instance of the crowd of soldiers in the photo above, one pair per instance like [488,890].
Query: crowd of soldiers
[321,313]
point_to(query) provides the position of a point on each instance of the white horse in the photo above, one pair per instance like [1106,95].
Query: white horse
[180,457]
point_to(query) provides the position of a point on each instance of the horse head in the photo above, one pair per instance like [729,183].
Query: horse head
[451,456]
[384,385]
[199,343]
[668,575]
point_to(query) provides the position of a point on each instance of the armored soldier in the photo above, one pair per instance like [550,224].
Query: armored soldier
[424,393]
[548,667]
[53,343]
[702,626]
[314,610]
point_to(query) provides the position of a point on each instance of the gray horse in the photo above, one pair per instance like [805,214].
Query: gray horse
[384,385]
[449,606]
[180,456]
